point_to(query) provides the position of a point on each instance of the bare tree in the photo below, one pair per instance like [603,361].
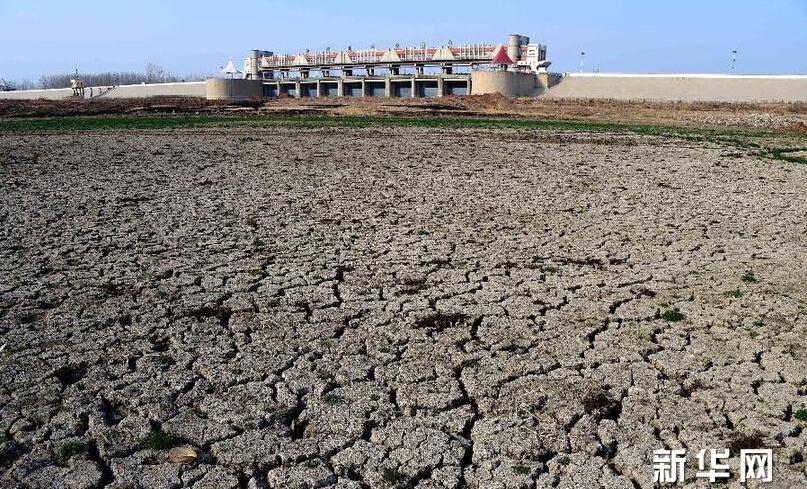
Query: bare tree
[9,85]
[153,74]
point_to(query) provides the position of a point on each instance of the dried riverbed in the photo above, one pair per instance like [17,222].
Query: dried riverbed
[387,307]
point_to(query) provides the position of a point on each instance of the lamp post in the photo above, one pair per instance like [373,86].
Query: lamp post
[582,56]
[733,59]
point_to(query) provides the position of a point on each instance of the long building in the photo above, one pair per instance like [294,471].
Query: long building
[521,54]
[420,71]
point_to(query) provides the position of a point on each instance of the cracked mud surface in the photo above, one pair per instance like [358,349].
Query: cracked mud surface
[395,307]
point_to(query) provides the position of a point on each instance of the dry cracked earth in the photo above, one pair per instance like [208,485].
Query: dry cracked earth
[395,307]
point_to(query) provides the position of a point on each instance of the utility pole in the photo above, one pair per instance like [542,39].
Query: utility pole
[733,59]
[582,56]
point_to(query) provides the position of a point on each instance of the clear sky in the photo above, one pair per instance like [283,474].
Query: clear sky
[696,36]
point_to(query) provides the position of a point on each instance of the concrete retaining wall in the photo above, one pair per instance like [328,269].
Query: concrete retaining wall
[233,89]
[54,94]
[687,88]
[510,83]
[190,89]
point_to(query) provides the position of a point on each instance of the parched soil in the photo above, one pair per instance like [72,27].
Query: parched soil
[395,307]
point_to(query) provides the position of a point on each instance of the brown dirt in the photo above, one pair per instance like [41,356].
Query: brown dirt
[785,117]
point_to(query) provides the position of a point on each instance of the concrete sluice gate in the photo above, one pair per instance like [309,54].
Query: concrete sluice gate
[479,82]
[510,68]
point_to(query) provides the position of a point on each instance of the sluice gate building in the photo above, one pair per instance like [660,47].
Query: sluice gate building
[393,72]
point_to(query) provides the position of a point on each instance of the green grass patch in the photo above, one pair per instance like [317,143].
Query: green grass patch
[67,451]
[750,278]
[317,121]
[564,460]
[673,315]
[392,476]
[758,323]
[98,123]
[164,359]
[801,415]
[734,293]
[522,470]
[333,399]
[786,154]
[160,440]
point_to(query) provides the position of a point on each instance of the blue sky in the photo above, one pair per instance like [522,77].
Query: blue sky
[52,36]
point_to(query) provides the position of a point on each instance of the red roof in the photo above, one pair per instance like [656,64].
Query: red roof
[500,56]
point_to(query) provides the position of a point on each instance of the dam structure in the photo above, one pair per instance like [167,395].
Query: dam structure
[517,67]
[420,71]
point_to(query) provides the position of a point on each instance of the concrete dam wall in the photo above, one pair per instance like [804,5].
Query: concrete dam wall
[686,88]
[232,89]
[510,83]
[191,89]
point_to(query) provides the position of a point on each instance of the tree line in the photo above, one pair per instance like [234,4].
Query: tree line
[152,74]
